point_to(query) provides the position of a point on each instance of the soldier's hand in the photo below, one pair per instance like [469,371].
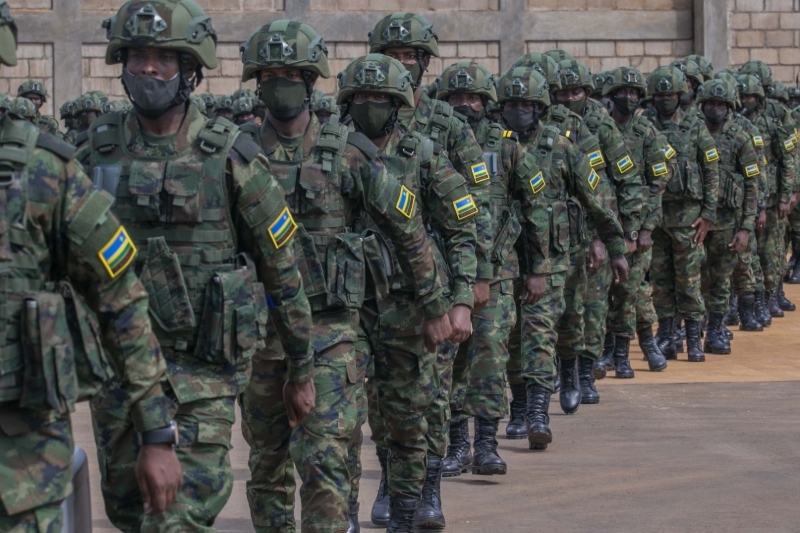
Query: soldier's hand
[461,323]
[645,241]
[793,200]
[739,242]
[481,294]
[784,209]
[619,265]
[158,474]
[300,400]
[631,246]
[534,289]
[702,226]
[597,254]
[435,331]
[761,220]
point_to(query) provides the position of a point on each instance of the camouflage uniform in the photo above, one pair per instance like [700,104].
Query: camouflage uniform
[46,123]
[217,260]
[67,113]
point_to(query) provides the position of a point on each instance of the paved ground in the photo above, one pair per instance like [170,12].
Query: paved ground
[706,447]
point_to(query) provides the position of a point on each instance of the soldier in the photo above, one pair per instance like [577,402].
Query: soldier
[479,377]
[631,311]
[566,173]
[243,112]
[259,109]
[67,113]
[794,99]
[87,108]
[210,103]
[689,207]
[737,205]
[224,108]
[21,109]
[218,257]
[35,92]
[323,106]
[62,230]
[705,66]
[694,79]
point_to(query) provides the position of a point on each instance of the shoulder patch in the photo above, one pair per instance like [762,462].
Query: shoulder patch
[282,228]
[594,180]
[537,183]
[465,207]
[711,155]
[508,134]
[596,158]
[480,172]
[51,143]
[246,146]
[788,145]
[118,253]
[659,169]
[362,142]
[669,152]
[625,164]
[758,140]
[751,170]
[405,202]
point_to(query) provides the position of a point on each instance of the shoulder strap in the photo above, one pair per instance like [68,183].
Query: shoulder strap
[246,147]
[641,125]
[105,133]
[81,138]
[216,134]
[362,142]
[548,139]
[17,141]
[559,114]
[331,142]
[593,122]
[440,121]
[494,136]
[51,143]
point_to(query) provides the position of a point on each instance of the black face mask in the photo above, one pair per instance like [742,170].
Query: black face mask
[715,115]
[374,119]
[687,98]
[666,107]
[576,106]
[750,107]
[285,99]
[625,105]
[521,121]
[153,97]
[473,117]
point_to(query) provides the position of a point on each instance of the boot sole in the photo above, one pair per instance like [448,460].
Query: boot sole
[457,473]
[429,524]
[789,309]
[618,376]
[516,437]
[539,441]
[592,401]
[497,470]
[751,329]
[717,352]
[381,522]
[658,369]
[697,360]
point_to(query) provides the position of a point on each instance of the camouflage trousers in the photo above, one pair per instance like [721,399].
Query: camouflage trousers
[404,387]
[571,326]
[771,251]
[631,304]
[595,309]
[318,447]
[532,343]
[675,274]
[479,380]
[364,368]
[747,277]
[793,229]
[718,270]
[35,470]
[205,437]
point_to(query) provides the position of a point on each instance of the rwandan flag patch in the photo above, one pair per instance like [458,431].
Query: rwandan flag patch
[712,155]
[596,159]
[659,169]
[465,207]
[537,183]
[669,152]
[282,229]
[751,170]
[758,140]
[594,180]
[118,253]
[479,172]
[788,144]
[405,202]
[625,164]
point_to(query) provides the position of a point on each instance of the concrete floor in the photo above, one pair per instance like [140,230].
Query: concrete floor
[703,447]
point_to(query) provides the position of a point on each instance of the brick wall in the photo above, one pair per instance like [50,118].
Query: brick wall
[768,30]
[596,5]
[36,62]
[606,55]
[389,6]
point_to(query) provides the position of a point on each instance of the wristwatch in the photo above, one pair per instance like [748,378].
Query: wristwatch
[167,435]
[631,235]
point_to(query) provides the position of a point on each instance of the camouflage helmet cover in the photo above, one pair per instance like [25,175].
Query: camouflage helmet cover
[573,73]
[322,102]
[691,70]
[404,29]
[466,77]
[376,73]
[793,92]
[704,64]
[624,77]
[544,65]
[88,102]
[224,102]
[66,110]
[559,55]
[209,99]
[35,87]
[666,80]
[778,91]
[246,92]
[717,89]
[20,108]
[523,83]
[179,25]
[99,94]
[759,69]
[8,36]
[242,106]
[749,84]
[284,43]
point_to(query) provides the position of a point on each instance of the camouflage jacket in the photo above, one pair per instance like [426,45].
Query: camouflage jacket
[649,148]
[202,207]
[758,143]
[739,169]
[779,151]
[692,192]
[437,120]
[778,111]
[47,124]
[516,199]
[566,173]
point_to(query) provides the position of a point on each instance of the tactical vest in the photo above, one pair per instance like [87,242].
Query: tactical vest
[176,210]
[557,193]
[51,354]
[438,128]
[773,145]
[688,181]
[731,181]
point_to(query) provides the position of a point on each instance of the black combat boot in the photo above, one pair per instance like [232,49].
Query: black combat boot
[747,313]
[693,345]
[715,342]
[680,334]
[352,517]
[459,456]
[772,305]
[784,302]
[516,421]
[622,364]
[380,509]
[586,378]
[762,314]
[728,334]
[557,382]
[486,461]
[665,339]
[732,318]
[606,361]
[429,513]
[403,513]
[539,434]
[655,359]
[794,275]
[570,395]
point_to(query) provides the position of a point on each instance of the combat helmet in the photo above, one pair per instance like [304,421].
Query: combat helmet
[559,55]
[20,108]
[523,83]
[404,29]
[225,103]
[599,80]
[88,102]
[729,76]
[544,65]
[706,68]
[794,95]
[244,92]
[666,80]
[67,109]
[8,36]
[749,84]
[103,97]
[198,102]
[375,73]
[573,73]
[209,100]
[717,89]
[33,87]
[284,43]
[777,91]
[242,106]
[624,77]
[759,69]
[112,106]
[322,102]
[691,70]
[467,77]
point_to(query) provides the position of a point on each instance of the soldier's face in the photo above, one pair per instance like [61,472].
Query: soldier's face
[154,62]
[521,105]
[471,100]
[665,97]
[35,99]
[571,95]
[375,98]
[407,55]
[291,74]
[627,92]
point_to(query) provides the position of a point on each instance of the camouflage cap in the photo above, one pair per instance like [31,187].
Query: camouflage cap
[466,77]
[376,73]
[33,87]
[559,55]
[20,108]
[67,109]
[573,74]
[284,43]
[523,83]
[544,65]
[759,69]
[88,102]
[403,29]
[719,90]
[706,68]
[749,84]
[8,36]
[777,91]
[624,77]
[690,70]
[178,25]
[666,80]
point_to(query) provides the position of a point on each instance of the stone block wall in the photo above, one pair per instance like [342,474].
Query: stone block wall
[768,30]
[34,61]
[606,55]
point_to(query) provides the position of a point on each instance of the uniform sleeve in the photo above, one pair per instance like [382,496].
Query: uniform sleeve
[604,192]
[709,169]
[750,168]
[467,157]
[382,195]
[758,143]
[83,228]
[626,177]
[658,171]
[528,186]
[784,151]
[265,229]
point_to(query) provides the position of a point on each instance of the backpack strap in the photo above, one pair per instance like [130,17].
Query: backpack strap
[331,142]
[105,133]
[440,120]
[62,149]
[363,143]
[496,134]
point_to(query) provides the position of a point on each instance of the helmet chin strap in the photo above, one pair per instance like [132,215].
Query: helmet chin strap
[422,68]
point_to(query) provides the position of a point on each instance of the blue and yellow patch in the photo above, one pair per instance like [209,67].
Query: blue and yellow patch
[788,145]
[712,155]
[405,202]
[659,169]
[282,229]
[758,140]
[669,152]
[465,207]
[118,253]
[751,170]
[537,183]
[594,180]
[596,159]
[625,164]
[479,172]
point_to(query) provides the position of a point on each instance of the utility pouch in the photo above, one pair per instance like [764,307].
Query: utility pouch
[559,227]
[310,266]
[182,184]
[345,269]
[577,224]
[170,305]
[732,193]
[676,185]
[144,185]
[694,182]
[378,260]
[510,230]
